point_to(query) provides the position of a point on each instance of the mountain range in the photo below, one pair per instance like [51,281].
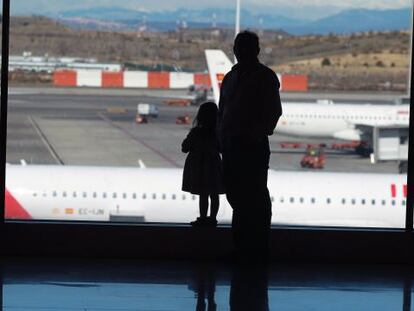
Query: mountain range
[347,21]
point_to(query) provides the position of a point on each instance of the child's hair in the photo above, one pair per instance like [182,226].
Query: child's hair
[206,117]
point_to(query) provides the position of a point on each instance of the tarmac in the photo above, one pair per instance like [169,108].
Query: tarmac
[97,127]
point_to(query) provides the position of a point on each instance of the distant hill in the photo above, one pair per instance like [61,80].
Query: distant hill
[348,21]
[356,20]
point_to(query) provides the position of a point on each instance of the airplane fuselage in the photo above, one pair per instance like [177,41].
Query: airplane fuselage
[154,195]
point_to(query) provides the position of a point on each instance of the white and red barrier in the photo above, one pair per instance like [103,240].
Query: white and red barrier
[154,79]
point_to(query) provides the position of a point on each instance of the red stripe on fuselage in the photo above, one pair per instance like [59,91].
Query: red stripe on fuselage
[393,190]
[14,210]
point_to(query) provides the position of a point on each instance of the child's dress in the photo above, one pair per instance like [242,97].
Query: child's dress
[202,170]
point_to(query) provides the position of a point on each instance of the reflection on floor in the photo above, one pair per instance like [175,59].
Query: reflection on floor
[40,285]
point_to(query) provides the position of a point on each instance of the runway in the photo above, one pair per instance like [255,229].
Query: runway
[97,127]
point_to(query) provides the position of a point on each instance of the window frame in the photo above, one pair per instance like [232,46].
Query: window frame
[67,227]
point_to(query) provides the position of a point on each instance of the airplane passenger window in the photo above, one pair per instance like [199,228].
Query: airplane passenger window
[373,202]
[183,197]
[94,194]
[74,194]
[154,196]
[134,195]
[64,194]
[282,200]
[363,201]
[301,200]
[272,198]
[54,193]
[383,202]
[114,195]
[353,201]
[328,201]
[393,202]
[104,195]
[173,196]
[292,200]
[144,196]
[164,196]
[313,200]
[84,194]
[343,201]
[124,195]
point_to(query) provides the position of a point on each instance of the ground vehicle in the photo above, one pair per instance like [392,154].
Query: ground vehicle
[178,102]
[183,120]
[147,110]
[314,158]
[141,119]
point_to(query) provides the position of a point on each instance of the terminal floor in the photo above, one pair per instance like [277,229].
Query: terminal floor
[40,285]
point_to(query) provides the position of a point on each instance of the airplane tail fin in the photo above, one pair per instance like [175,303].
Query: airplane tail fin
[218,65]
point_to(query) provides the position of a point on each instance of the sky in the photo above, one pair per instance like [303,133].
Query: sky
[310,9]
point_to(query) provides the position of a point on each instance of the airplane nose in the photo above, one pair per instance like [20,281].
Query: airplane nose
[14,210]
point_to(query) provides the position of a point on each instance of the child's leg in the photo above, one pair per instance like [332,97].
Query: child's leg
[203,203]
[214,205]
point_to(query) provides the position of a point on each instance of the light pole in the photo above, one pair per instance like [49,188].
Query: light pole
[237,29]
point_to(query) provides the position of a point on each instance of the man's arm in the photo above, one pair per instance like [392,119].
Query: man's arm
[273,105]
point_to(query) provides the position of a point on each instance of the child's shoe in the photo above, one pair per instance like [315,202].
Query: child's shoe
[211,222]
[199,222]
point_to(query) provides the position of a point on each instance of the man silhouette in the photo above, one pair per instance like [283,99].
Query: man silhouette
[249,109]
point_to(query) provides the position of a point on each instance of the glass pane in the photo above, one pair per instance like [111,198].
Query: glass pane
[103,94]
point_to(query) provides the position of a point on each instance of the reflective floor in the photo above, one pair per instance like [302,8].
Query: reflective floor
[38,284]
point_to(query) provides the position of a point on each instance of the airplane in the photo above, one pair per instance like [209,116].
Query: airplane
[323,119]
[88,193]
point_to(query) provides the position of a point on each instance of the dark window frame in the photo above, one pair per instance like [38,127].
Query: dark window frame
[5,227]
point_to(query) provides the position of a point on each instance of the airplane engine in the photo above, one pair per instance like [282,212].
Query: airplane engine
[350,134]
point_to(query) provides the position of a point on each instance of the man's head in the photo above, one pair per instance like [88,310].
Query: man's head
[246,46]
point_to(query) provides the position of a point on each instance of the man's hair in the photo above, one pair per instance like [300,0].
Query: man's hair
[248,40]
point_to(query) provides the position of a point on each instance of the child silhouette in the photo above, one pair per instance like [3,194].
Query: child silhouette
[202,170]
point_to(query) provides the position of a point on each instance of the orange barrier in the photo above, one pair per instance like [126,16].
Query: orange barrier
[65,78]
[112,79]
[294,83]
[202,79]
[158,80]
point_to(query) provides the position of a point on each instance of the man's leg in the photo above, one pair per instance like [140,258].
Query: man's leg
[234,171]
[261,206]
[253,216]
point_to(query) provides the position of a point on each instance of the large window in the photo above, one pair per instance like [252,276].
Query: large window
[102,95]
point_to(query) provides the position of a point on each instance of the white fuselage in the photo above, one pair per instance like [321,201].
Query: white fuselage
[154,195]
[339,121]
[323,118]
